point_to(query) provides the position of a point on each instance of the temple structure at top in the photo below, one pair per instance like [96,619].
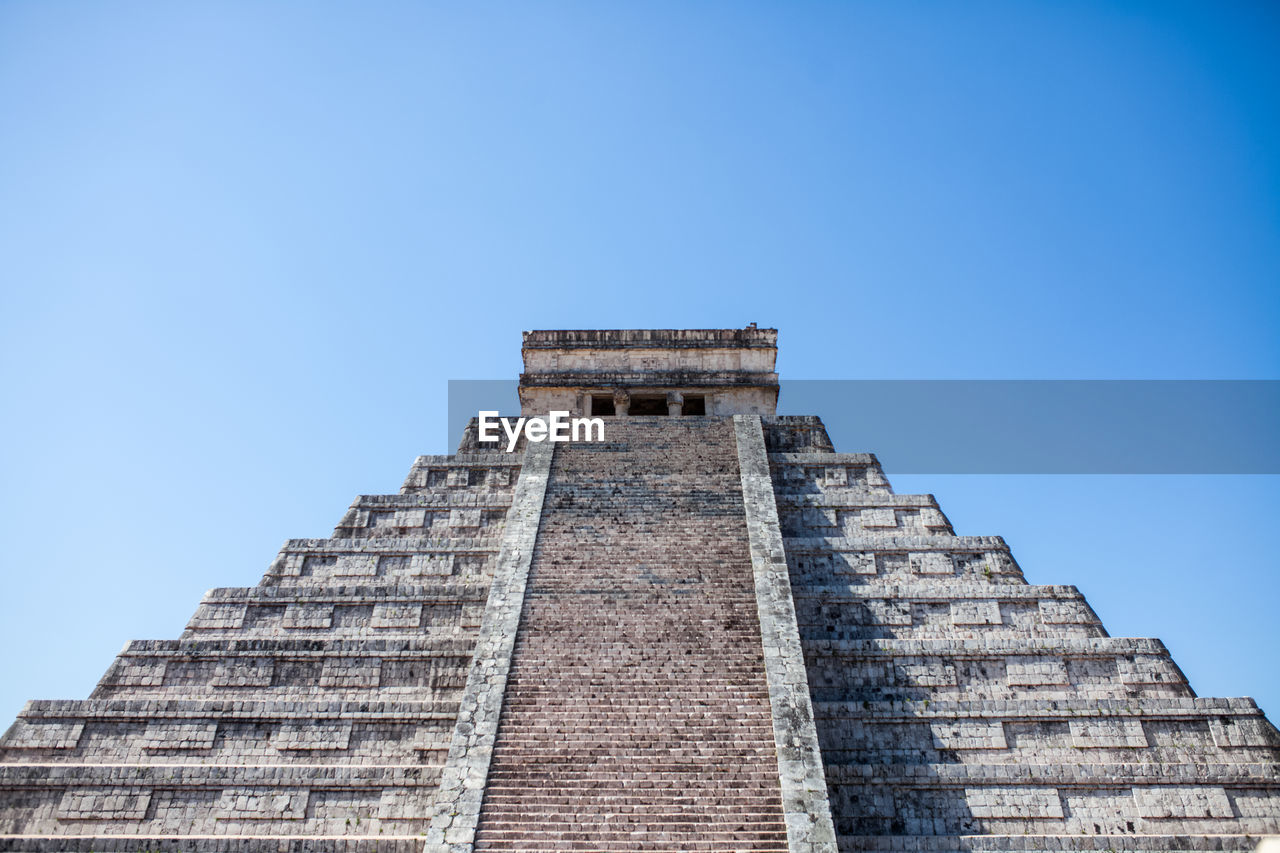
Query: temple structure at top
[650,372]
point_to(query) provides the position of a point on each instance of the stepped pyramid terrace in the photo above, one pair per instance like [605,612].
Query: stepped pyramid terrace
[706,631]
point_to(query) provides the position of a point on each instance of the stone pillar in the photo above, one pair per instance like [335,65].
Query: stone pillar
[621,403]
[675,403]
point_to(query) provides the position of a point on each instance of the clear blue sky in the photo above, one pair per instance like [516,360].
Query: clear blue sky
[243,247]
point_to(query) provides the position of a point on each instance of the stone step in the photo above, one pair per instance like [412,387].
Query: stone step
[238,709]
[430,559]
[839,473]
[275,646]
[1263,774]
[1074,707]
[214,775]
[805,518]
[990,667]
[942,610]
[435,499]
[736,832]
[211,799]
[1046,733]
[899,542]
[817,565]
[656,845]
[247,739]
[994,646]
[445,591]
[451,513]
[338,612]
[487,471]
[801,434]
[383,545]
[1101,799]
[308,669]
[1064,732]
[264,843]
[1145,843]
[858,460]
[625,807]
[939,590]
[857,501]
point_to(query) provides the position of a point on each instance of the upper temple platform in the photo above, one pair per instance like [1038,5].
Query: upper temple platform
[650,371]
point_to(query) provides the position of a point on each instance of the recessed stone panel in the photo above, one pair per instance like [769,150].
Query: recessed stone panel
[1027,802]
[1168,801]
[179,734]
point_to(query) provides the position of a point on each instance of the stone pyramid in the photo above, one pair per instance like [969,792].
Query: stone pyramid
[708,631]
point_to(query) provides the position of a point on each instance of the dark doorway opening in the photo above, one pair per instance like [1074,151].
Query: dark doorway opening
[648,406]
[602,405]
[694,404]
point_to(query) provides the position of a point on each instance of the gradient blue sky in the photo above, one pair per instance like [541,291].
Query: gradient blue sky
[243,247]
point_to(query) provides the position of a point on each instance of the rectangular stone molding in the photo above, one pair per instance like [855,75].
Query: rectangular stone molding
[805,802]
[457,806]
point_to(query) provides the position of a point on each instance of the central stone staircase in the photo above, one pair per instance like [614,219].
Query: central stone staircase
[637,715]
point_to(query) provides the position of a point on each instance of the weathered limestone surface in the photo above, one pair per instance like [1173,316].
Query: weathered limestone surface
[804,790]
[314,711]
[457,806]
[960,708]
[704,633]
